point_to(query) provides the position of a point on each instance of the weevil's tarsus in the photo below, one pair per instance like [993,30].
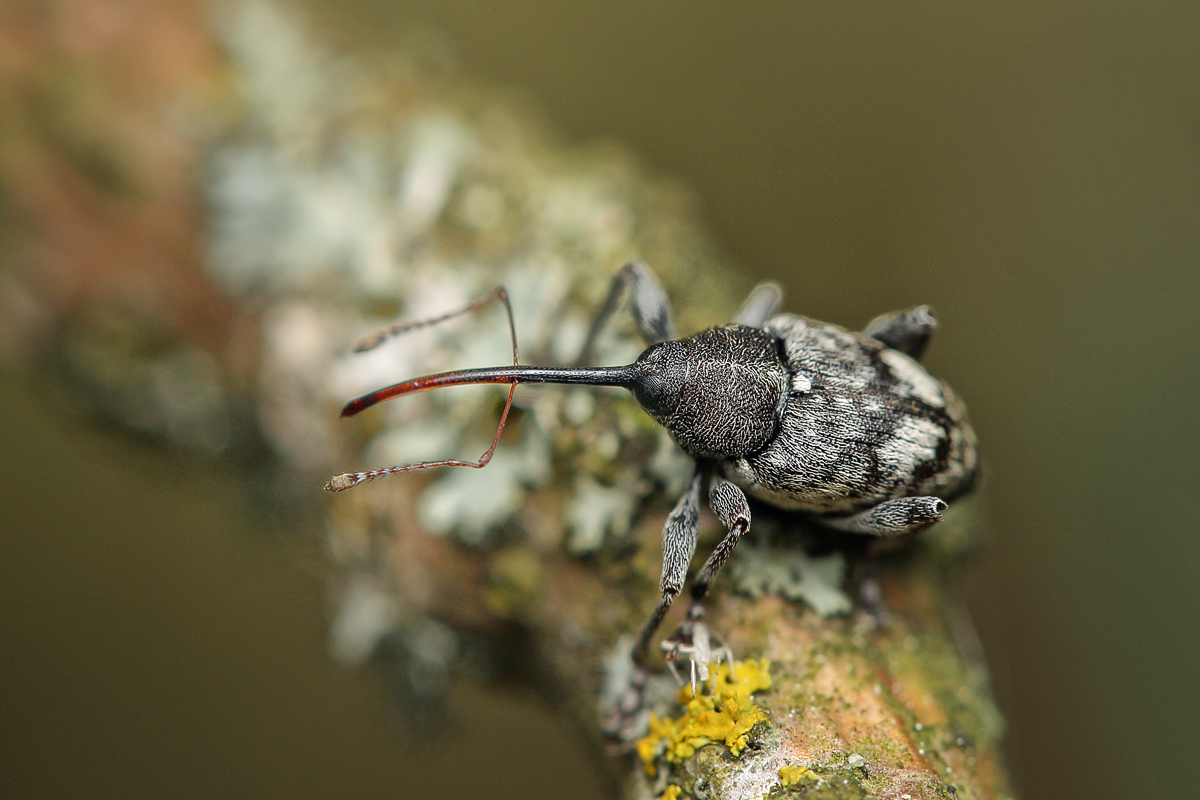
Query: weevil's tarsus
[907,331]
[651,310]
[700,646]
[870,594]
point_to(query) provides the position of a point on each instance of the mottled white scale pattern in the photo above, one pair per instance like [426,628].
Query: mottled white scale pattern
[862,424]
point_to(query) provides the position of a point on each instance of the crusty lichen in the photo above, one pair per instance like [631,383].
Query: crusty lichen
[671,792]
[726,715]
[341,201]
[794,774]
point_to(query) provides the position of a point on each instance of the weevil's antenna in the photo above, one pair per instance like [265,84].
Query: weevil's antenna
[596,376]
[499,293]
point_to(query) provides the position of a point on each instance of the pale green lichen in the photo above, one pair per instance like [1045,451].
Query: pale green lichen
[514,582]
[367,613]
[793,574]
[149,383]
[597,510]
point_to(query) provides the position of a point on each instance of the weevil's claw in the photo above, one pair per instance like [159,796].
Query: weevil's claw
[694,640]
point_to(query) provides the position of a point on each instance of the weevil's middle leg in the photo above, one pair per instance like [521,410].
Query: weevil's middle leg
[650,307]
[907,331]
[900,517]
[760,305]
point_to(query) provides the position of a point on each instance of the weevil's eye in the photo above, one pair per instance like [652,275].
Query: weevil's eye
[659,379]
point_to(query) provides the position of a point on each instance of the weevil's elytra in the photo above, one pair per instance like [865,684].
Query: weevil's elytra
[863,424]
[804,415]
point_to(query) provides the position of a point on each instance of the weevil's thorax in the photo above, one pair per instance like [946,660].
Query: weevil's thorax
[720,393]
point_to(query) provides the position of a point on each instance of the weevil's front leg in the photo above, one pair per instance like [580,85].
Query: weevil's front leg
[626,719]
[729,503]
[907,331]
[904,515]
[650,307]
[760,305]
[679,545]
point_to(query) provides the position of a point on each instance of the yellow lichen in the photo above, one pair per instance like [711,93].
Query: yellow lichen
[750,676]
[790,776]
[672,793]
[725,716]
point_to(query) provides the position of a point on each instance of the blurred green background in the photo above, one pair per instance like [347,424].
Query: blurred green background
[1032,170]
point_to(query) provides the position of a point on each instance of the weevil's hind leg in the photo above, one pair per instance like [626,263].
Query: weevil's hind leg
[760,305]
[893,523]
[499,293]
[679,545]
[870,592]
[899,517]
[650,307]
[340,483]
[907,331]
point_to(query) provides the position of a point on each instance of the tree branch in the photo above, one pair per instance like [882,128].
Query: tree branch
[341,198]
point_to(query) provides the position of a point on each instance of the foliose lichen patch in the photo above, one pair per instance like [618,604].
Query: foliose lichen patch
[343,202]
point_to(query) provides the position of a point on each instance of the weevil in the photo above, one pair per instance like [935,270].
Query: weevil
[847,428]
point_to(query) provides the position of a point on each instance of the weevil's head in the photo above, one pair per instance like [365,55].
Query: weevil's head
[720,393]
